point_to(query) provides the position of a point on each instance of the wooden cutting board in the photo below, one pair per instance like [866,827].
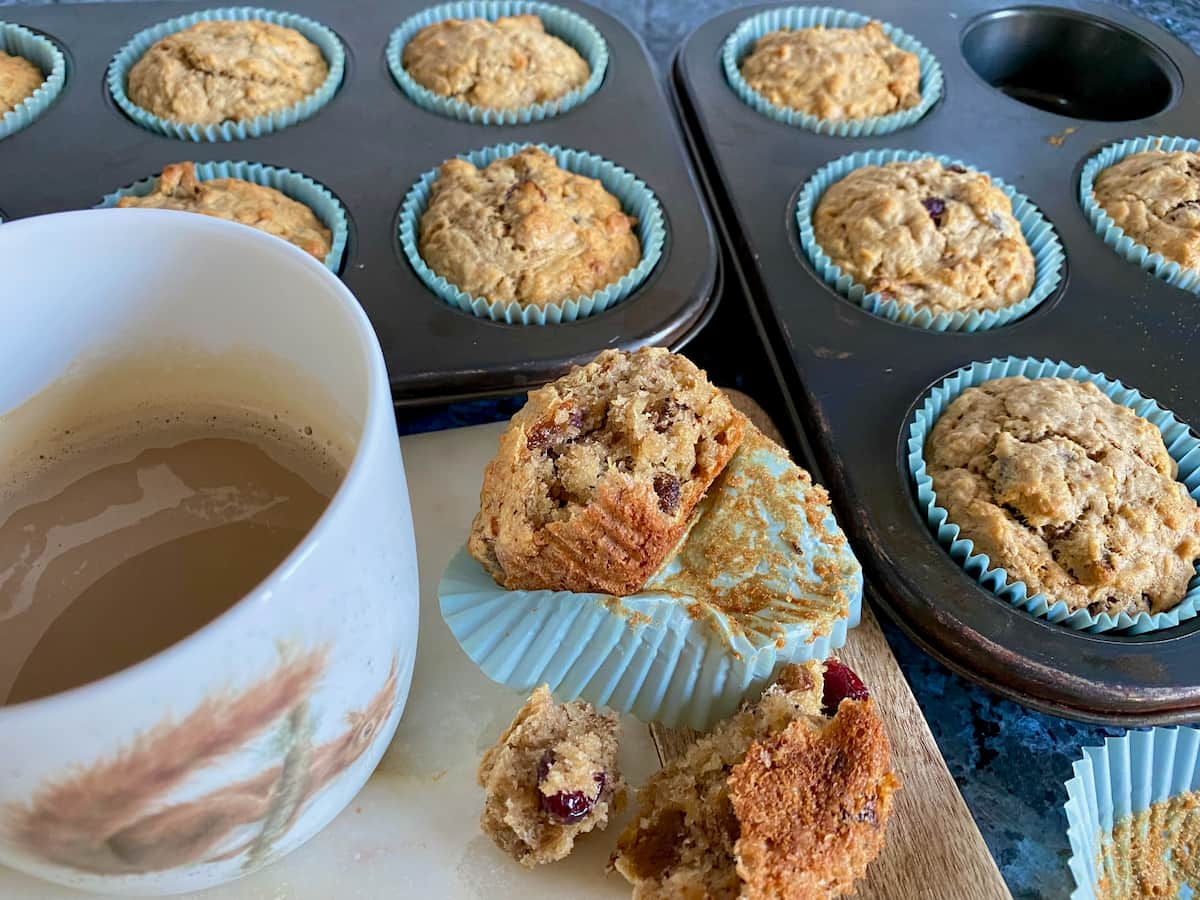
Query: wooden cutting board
[412,831]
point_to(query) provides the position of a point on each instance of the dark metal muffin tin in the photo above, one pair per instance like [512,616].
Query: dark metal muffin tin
[853,379]
[368,145]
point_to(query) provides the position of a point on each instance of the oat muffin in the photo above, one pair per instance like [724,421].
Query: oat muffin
[834,73]
[225,70]
[505,64]
[1070,492]
[524,230]
[18,79]
[236,200]
[942,238]
[1154,197]
[787,800]
[551,777]
[597,475]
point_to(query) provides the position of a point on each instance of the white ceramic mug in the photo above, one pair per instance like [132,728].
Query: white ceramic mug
[236,745]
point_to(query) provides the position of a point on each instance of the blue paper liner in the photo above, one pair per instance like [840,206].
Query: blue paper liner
[658,654]
[569,27]
[1181,444]
[742,39]
[16,40]
[1124,777]
[299,187]
[328,42]
[1039,235]
[1115,236]
[636,199]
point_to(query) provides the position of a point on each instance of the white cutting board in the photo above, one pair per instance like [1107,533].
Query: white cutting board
[413,830]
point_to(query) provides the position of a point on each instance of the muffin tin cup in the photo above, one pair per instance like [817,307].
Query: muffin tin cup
[666,653]
[1038,233]
[741,41]
[568,26]
[1115,236]
[298,187]
[43,53]
[328,42]
[636,200]
[1124,777]
[1181,444]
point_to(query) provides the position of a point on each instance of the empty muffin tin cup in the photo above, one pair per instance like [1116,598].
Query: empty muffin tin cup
[1122,778]
[1111,233]
[662,654]
[301,188]
[328,43]
[1039,234]
[567,26]
[636,200]
[1182,446]
[16,40]
[741,42]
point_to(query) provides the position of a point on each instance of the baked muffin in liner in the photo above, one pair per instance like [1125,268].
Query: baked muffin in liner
[636,199]
[1181,444]
[328,42]
[16,40]
[567,26]
[741,42]
[1114,235]
[763,577]
[1038,232]
[299,187]
[1124,778]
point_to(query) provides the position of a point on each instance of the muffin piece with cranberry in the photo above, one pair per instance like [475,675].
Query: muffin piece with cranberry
[551,777]
[595,479]
[789,798]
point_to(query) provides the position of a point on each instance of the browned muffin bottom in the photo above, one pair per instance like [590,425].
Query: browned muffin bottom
[596,476]
[1069,491]
[781,801]
[522,229]
[19,78]
[236,200]
[503,64]
[1155,198]
[551,777]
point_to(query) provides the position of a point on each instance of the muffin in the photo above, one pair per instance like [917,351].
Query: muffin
[941,238]
[226,70]
[1070,492]
[834,73]
[596,477]
[236,200]
[789,799]
[551,777]
[523,230]
[1154,197]
[19,78]
[503,64]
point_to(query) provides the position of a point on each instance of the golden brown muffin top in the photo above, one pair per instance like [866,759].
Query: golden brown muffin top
[503,64]
[226,71]
[236,200]
[1155,198]
[18,79]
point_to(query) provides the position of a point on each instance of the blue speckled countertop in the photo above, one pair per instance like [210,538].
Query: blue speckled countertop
[1009,762]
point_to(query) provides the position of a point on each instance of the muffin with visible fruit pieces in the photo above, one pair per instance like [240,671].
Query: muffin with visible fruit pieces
[502,64]
[787,799]
[939,237]
[19,78]
[596,477]
[237,200]
[1072,493]
[524,230]
[834,73]
[1154,197]
[551,777]
[226,71]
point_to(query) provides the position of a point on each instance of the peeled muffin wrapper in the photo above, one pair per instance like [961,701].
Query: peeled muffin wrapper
[763,577]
